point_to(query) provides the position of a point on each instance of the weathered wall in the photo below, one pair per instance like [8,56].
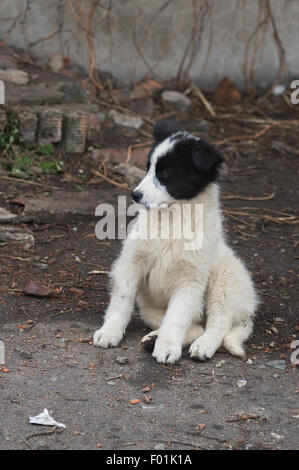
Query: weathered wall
[133,38]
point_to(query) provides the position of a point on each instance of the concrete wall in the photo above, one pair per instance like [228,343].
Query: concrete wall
[161,30]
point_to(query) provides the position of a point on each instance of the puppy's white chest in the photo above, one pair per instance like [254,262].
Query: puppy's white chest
[160,273]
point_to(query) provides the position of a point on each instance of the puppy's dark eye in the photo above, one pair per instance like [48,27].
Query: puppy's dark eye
[164,173]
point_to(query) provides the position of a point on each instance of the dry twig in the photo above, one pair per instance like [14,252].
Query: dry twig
[20,180]
[203,99]
[249,198]
[111,181]
[245,137]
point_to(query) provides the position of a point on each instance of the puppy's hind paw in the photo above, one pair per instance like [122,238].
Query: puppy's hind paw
[148,341]
[106,338]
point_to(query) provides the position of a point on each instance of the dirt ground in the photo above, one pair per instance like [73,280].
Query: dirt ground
[51,363]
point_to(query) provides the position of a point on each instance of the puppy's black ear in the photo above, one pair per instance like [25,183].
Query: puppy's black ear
[164,128]
[206,158]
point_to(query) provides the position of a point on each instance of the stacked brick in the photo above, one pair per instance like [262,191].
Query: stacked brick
[71,126]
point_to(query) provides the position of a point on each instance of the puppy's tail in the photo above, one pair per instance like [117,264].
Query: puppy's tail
[233,341]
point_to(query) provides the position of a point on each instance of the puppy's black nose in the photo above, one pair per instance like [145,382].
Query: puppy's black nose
[136,196]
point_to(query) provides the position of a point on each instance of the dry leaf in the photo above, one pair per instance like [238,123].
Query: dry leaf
[201,426]
[134,402]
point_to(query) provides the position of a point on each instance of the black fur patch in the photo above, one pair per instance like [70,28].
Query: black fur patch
[189,167]
[165,128]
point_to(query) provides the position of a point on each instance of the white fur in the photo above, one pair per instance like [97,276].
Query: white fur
[154,193]
[180,291]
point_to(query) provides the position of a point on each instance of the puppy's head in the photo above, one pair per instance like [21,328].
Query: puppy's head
[179,166]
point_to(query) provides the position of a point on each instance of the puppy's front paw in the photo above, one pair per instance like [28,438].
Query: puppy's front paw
[204,347]
[166,351]
[107,337]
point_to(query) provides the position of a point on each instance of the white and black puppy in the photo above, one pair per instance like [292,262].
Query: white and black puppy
[203,297]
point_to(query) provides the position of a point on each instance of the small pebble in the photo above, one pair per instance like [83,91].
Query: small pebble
[159,447]
[278,90]
[121,360]
[277,364]
[278,320]
[277,436]
[220,363]
[241,383]
[147,399]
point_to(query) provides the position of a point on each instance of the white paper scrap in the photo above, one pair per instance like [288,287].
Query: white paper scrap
[45,419]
